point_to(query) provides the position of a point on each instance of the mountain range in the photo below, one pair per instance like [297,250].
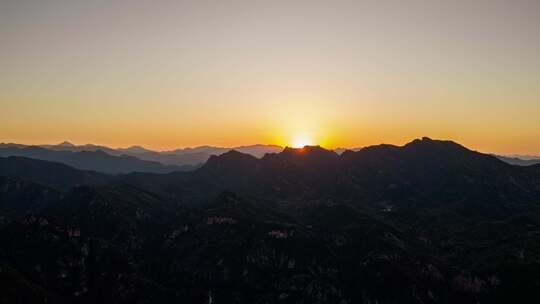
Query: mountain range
[139,159]
[134,159]
[427,222]
[92,160]
[520,160]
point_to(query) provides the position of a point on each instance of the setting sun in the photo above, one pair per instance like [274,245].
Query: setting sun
[301,141]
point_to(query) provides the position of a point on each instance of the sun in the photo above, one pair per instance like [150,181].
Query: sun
[301,141]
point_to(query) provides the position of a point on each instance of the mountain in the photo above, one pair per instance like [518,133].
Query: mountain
[67,145]
[200,149]
[519,161]
[187,159]
[134,149]
[19,196]
[524,156]
[183,158]
[424,171]
[91,160]
[11,145]
[427,222]
[341,150]
[200,155]
[51,174]
[259,150]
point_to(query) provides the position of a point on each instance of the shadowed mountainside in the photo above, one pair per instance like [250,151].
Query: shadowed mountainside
[49,173]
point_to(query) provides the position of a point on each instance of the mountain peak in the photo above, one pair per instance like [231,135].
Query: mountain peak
[428,144]
[310,154]
[231,159]
[234,154]
[66,144]
[135,149]
[307,150]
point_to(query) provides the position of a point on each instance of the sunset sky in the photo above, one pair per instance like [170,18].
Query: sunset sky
[167,74]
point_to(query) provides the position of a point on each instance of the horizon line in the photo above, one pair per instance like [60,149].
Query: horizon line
[527,155]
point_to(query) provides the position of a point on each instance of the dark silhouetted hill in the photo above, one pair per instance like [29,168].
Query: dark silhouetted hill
[49,173]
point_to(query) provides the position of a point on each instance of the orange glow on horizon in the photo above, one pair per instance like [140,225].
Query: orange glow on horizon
[300,141]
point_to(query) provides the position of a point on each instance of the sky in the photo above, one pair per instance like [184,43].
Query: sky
[166,74]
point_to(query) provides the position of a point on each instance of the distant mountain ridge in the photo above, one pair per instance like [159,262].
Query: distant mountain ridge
[520,160]
[173,160]
[97,160]
[195,156]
